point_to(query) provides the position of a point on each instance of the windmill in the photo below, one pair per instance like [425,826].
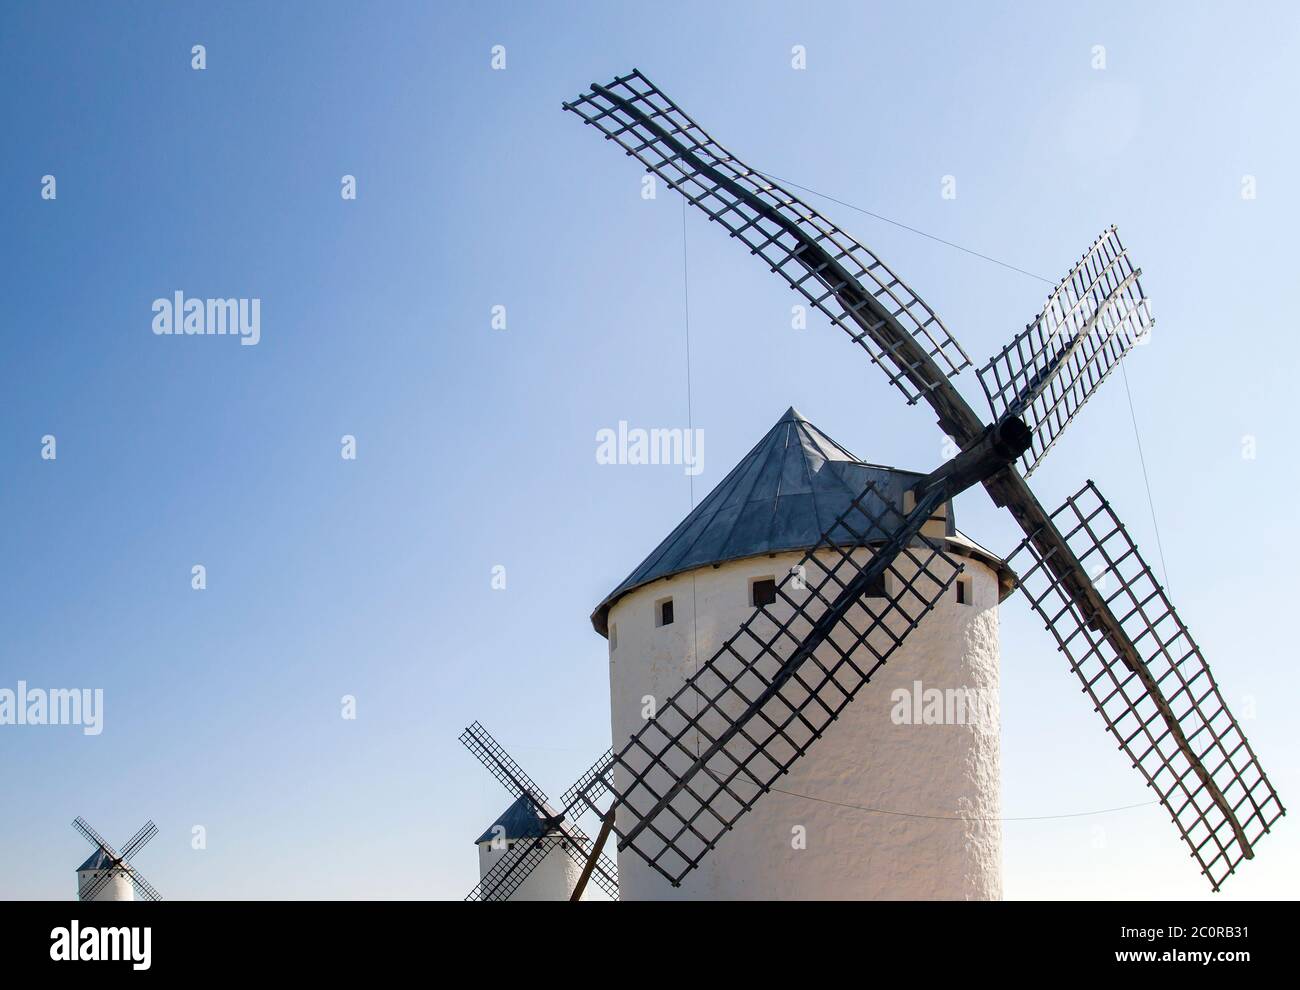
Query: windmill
[776,686]
[531,832]
[108,875]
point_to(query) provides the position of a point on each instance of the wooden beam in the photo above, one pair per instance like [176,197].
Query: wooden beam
[606,824]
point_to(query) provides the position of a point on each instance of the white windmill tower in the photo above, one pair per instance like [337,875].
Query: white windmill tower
[108,875]
[103,880]
[923,740]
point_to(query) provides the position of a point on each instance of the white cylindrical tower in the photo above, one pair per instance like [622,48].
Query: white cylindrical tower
[549,873]
[118,887]
[900,799]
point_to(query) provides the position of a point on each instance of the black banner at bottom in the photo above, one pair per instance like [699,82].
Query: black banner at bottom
[332,939]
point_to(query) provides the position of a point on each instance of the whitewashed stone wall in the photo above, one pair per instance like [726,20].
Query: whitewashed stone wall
[948,771]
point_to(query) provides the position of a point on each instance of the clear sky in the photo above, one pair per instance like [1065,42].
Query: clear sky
[476,448]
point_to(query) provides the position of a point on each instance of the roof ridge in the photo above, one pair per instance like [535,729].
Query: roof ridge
[757,475]
[811,428]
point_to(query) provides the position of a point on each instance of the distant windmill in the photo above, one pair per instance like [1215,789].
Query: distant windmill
[531,852]
[753,709]
[108,875]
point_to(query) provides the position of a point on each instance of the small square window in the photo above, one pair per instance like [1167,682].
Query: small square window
[613,637]
[762,592]
[664,612]
[963,591]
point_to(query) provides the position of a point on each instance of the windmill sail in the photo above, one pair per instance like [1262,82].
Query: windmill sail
[1150,685]
[771,690]
[590,787]
[93,837]
[503,766]
[834,272]
[1095,316]
[143,887]
[581,796]
[138,841]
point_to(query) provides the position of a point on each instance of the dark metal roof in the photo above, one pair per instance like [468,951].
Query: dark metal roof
[520,821]
[782,496]
[98,860]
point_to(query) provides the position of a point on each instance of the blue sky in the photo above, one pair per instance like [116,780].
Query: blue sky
[476,447]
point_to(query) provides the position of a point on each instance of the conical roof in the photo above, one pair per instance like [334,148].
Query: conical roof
[520,821]
[99,860]
[782,496]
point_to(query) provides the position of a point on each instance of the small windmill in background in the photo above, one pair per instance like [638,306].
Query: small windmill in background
[108,875]
[531,852]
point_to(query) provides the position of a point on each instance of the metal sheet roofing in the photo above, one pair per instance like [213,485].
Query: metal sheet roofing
[520,821]
[782,496]
[98,860]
